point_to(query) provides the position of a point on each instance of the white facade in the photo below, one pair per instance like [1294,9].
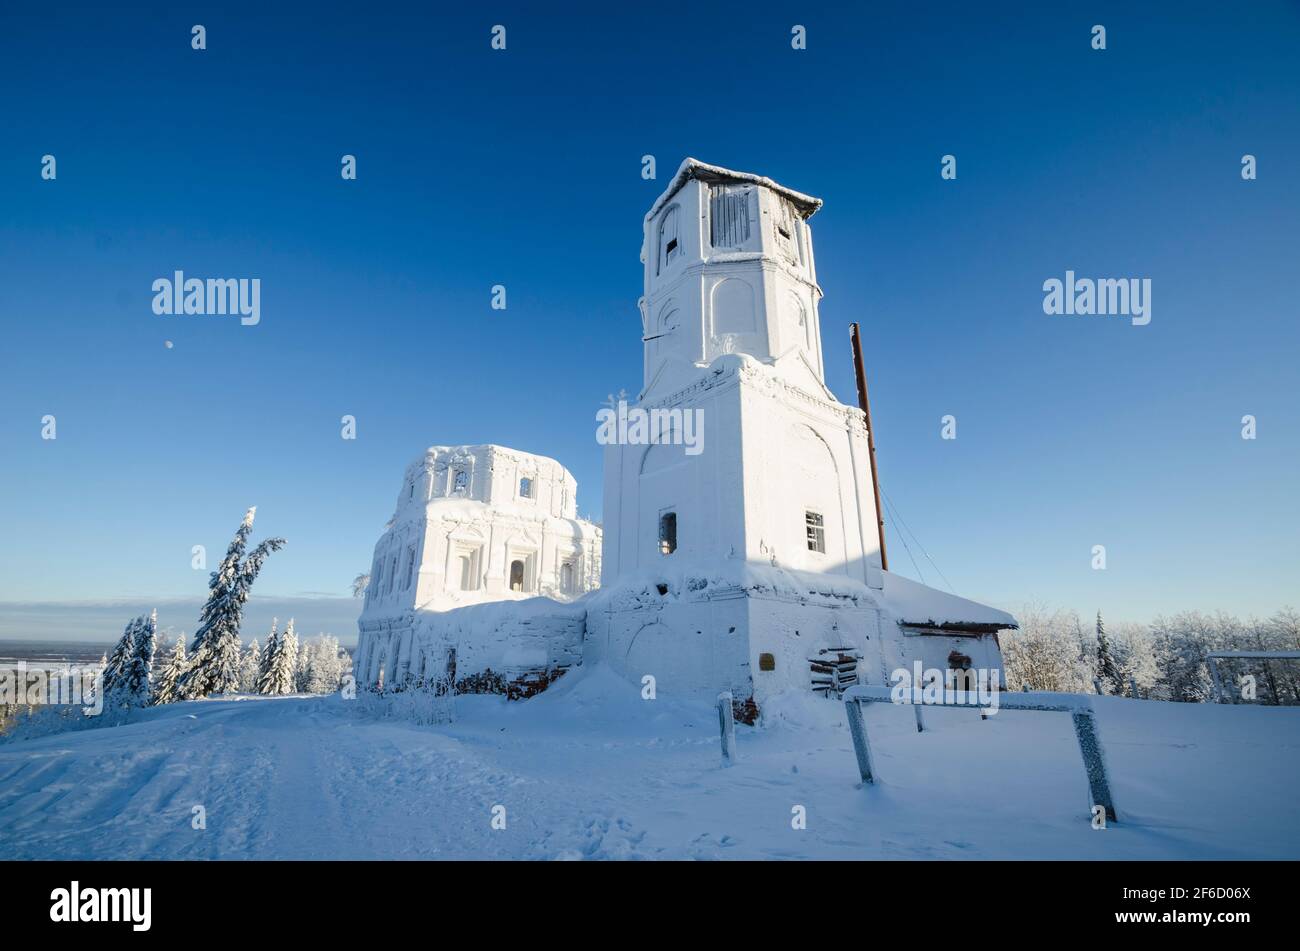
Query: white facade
[476,524]
[482,523]
[739,566]
[731,328]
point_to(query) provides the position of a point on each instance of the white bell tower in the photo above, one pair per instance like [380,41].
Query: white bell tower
[746,562]
[729,269]
[724,566]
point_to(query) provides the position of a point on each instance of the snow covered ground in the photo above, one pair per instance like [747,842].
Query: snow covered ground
[590,770]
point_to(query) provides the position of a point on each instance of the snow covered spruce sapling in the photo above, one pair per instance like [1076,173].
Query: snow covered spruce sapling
[115,669]
[286,665]
[251,668]
[127,677]
[1108,674]
[216,665]
[136,689]
[167,682]
[268,655]
[278,662]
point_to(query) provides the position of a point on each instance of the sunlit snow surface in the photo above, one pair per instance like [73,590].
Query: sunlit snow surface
[590,770]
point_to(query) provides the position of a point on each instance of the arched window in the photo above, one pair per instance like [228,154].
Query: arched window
[516,575]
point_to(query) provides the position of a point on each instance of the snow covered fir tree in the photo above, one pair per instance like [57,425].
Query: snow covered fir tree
[136,686]
[215,664]
[166,688]
[127,678]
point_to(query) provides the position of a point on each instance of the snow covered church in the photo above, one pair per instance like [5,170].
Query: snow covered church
[747,561]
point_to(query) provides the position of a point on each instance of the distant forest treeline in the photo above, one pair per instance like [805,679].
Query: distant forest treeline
[1166,659]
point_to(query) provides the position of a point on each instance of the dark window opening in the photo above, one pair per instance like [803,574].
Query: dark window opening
[767,662]
[669,248]
[516,575]
[667,533]
[960,675]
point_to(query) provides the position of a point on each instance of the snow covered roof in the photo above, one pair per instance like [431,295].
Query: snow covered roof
[917,605]
[481,449]
[694,168]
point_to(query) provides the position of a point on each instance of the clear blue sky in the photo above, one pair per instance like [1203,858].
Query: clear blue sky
[523,168]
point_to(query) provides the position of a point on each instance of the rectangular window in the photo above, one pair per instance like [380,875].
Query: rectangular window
[410,566]
[669,246]
[816,528]
[667,533]
[460,481]
[785,221]
[392,575]
[525,488]
[468,567]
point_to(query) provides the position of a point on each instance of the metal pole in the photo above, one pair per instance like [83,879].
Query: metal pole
[861,748]
[863,402]
[1093,762]
[917,694]
[727,728]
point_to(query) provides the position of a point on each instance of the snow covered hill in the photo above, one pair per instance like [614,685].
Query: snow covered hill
[590,770]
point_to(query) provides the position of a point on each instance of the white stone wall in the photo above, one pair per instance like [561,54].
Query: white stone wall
[510,639]
[461,517]
[771,453]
